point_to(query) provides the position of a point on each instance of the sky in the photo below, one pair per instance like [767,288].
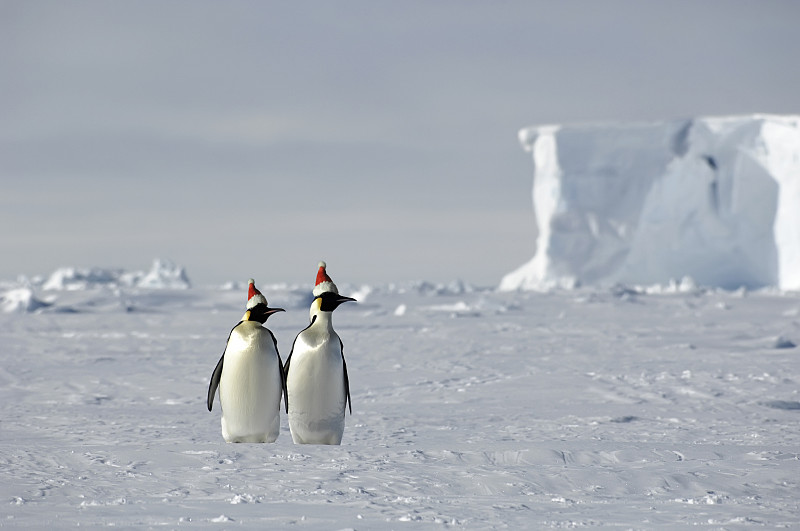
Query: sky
[254,138]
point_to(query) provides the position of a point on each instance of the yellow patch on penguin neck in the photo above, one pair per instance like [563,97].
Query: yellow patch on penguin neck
[315,309]
[246,316]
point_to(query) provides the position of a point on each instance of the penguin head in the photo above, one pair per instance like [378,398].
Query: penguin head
[326,294]
[260,313]
[329,301]
[257,308]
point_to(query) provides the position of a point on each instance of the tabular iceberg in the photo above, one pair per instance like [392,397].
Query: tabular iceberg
[715,198]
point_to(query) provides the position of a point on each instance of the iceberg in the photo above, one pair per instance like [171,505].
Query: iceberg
[164,274]
[716,199]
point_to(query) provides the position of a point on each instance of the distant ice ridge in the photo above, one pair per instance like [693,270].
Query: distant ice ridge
[20,300]
[20,296]
[715,199]
[163,274]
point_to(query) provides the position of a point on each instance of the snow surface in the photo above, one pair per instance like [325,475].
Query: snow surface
[471,409]
[717,199]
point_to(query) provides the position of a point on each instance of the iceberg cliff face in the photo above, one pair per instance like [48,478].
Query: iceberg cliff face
[717,199]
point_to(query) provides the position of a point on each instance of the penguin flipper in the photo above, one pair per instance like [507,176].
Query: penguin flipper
[289,359]
[215,377]
[283,373]
[346,379]
[214,383]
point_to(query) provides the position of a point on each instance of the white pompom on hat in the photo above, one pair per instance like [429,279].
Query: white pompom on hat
[254,296]
[324,282]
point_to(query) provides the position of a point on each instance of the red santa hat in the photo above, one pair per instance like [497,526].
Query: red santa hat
[324,282]
[254,296]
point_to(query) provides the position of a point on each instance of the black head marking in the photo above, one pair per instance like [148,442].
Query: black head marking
[261,312]
[329,301]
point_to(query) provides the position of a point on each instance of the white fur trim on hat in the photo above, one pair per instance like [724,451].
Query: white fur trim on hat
[324,287]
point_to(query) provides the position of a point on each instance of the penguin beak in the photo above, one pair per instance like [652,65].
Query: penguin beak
[266,312]
[342,299]
[260,313]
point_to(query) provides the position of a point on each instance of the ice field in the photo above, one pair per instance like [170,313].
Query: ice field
[472,409]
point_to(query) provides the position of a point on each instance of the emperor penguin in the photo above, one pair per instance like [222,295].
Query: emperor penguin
[316,373]
[250,377]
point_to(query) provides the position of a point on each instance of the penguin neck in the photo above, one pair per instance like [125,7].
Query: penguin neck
[322,319]
[247,318]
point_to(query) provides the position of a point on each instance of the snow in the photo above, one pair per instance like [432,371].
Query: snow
[472,408]
[715,199]
[20,300]
[163,274]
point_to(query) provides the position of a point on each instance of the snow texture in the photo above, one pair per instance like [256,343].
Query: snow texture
[716,199]
[472,409]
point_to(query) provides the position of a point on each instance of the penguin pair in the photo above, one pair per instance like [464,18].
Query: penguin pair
[251,376]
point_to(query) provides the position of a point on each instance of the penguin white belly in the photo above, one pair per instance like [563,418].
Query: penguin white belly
[315,383]
[250,386]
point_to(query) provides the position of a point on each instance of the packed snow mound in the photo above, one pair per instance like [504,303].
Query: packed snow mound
[163,275]
[20,300]
[716,199]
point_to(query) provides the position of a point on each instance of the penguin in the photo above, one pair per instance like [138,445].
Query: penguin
[316,374]
[250,377]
